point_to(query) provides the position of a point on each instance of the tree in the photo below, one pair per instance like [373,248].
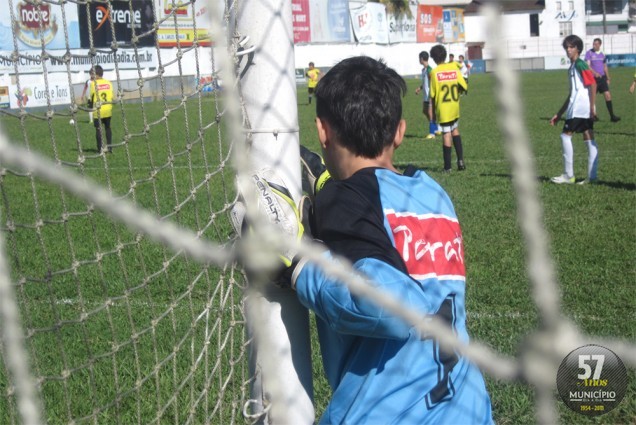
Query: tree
[396,7]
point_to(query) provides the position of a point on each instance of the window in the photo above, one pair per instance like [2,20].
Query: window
[534,25]
[565,29]
[570,5]
[595,7]
[558,6]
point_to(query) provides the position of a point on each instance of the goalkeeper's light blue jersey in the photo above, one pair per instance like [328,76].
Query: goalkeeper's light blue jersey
[402,231]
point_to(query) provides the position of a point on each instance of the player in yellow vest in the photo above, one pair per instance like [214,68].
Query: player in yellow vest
[101,98]
[447,84]
[313,75]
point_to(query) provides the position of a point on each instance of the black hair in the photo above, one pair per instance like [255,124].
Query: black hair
[573,40]
[599,40]
[438,53]
[361,99]
[424,55]
[99,71]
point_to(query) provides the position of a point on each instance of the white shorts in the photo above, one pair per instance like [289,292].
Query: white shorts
[447,127]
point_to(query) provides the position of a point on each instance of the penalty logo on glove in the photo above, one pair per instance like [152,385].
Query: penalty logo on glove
[275,201]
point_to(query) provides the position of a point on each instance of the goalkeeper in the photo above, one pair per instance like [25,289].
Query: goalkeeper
[402,232]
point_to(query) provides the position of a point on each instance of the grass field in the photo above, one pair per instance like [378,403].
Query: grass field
[114,320]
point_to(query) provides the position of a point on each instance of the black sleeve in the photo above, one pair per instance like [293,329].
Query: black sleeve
[348,218]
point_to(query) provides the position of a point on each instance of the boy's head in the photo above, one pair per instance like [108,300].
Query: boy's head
[451,57]
[438,53]
[573,41]
[361,101]
[311,64]
[423,57]
[99,71]
[596,44]
[461,58]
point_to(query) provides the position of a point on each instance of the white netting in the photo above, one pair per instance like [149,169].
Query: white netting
[123,303]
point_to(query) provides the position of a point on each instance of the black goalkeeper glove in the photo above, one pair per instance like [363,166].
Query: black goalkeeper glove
[275,203]
[314,171]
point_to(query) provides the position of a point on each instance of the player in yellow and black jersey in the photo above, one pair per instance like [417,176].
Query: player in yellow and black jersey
[101,98]
[447,84]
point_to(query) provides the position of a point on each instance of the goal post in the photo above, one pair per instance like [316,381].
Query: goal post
[268,89]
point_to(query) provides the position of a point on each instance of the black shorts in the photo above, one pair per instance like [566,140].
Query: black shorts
[578,125]
[601,84]
[97,121]
[311,90]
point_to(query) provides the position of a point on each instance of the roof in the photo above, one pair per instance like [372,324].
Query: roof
[507,6]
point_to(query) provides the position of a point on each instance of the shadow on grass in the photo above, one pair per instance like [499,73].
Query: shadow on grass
[598,130]
[543,179]
[411,136]
[402,167]
[613,133]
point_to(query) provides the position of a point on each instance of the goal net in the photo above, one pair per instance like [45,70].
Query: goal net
[120,297]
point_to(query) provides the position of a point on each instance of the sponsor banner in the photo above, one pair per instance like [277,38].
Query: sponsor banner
[369,24]
[33,92]
[123,16]
[556,62]
[39,24]
[330,21]
[614,61]
[4,97]
[301,21]
[31,61]
[429,24]
[477,66]
[168,37]
[184,15]
[404,28]
[300,76]
[453,25]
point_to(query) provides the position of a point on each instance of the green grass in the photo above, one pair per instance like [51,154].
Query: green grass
[113,318]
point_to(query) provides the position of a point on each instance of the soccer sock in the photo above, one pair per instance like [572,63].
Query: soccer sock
[610,108]
[432,127]
[98,133]
[447,157]
[109,138]
[568,154]
[592,159]
[459,149]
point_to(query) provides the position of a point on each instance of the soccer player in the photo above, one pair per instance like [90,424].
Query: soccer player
[382,370]
[598,63]
[101,98]
[86,90]
[447,84]
[313,74]
[425,87]
[579,110]
[464,68]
